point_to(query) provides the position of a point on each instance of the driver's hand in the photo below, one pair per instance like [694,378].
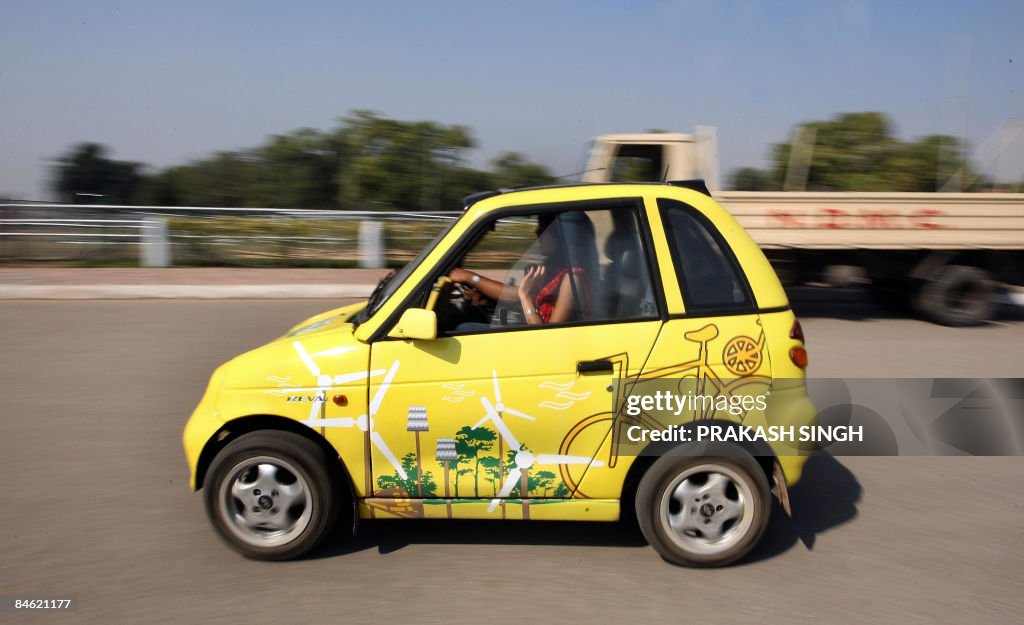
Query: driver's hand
[473,296]
[460,276]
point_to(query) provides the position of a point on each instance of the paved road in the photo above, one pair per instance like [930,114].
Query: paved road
[95,501]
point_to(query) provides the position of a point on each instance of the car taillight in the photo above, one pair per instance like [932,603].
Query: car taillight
[798,354]
[799,357]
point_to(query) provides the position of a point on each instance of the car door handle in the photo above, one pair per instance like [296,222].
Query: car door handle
[594,366]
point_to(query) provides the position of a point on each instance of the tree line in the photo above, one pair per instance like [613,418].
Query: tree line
[859,152]
[474,463]
[370,162]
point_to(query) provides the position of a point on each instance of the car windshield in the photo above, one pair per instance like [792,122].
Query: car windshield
[390,283]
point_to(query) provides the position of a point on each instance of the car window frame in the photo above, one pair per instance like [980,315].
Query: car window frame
[474,233]
[665,205]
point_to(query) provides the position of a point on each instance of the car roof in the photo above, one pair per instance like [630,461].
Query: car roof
[695,184]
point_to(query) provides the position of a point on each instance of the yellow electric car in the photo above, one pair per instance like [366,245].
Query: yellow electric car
[580,352]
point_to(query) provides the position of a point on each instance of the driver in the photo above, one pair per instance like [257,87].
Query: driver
[544,293]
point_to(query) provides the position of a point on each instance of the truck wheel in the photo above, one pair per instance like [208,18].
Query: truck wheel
[704,511]
[270,495]
[958,295]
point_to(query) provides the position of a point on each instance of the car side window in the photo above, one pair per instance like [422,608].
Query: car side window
[549,267]
[628,291]
[710,277]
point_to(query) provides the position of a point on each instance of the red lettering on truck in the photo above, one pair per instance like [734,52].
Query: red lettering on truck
[839,218]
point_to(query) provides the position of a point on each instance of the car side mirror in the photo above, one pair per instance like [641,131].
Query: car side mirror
[415,323]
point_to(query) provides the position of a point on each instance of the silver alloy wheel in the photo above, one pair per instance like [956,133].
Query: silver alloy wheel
[265,501]
[707,509]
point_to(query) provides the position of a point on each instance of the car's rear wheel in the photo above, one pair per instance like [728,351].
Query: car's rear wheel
[704,510]
[271,496]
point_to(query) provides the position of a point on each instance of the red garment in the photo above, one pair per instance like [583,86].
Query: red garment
[548,294]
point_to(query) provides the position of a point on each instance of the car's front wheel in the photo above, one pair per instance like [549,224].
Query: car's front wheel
[271,496]
[704,510]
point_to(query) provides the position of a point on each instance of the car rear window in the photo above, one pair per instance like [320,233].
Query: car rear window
[710,277]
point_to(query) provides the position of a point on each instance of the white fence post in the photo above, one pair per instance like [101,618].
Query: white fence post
[371,244]
[154,244]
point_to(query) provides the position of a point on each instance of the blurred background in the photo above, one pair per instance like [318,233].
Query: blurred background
[325,111]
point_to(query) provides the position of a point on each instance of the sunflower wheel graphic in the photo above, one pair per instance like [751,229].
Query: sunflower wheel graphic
[742,356]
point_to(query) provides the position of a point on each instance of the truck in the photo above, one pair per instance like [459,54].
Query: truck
[951,258]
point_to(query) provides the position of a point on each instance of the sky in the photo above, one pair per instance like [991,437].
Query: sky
[164,83]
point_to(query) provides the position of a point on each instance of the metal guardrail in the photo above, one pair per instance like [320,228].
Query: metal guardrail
[157,235]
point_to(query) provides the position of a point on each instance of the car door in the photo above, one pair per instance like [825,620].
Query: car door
[715,345]
[709,361]
[486,423]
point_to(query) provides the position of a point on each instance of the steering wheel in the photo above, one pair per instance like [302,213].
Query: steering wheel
[452,305]
[442,295]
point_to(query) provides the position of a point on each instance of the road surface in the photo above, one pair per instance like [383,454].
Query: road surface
[95,502]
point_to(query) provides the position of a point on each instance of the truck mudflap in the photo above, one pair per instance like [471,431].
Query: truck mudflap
[779,488]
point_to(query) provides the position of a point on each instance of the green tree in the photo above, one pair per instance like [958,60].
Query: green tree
[84,175]
[410,483]
[295,170]
[471,444]
[462,181]
[397,164]
[858,152]
[928,163]
[367,162]
[510,464]
[300,170]
[458,476]
[492,472]
[543,481]
[512,170]
[228,179]
[750,179]
[848,152]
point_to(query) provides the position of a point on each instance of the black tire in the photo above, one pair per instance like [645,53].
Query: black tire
[290,520]
[658,509]
[958,296]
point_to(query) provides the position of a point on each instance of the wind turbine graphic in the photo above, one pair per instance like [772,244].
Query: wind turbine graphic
[499,406]
[524,458]
[506,434]
[363,422]
[324,381]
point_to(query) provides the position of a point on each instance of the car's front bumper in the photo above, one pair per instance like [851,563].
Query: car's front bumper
[203,424]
